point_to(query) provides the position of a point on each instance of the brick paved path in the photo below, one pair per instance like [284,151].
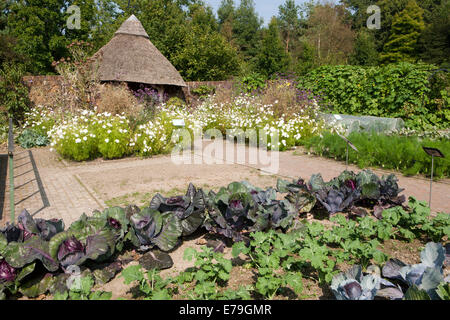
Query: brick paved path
[58,189]
[58,195]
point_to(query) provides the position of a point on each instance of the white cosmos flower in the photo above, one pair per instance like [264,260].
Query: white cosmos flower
[78,140]
[116,141]
[106,140]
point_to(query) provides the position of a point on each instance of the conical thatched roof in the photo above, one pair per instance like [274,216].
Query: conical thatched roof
[130,56]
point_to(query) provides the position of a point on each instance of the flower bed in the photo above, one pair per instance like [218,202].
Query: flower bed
[88,135]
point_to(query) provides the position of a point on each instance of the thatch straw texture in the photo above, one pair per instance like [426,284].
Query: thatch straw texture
[131,57]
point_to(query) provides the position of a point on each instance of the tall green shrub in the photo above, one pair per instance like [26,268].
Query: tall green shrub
[272,57]
[365,53]
[406,29]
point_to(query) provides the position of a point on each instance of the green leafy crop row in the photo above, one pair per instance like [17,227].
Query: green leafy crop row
[400,153]
[281,261]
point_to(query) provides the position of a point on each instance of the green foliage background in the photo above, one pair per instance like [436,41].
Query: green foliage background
[399,90]
[234,41]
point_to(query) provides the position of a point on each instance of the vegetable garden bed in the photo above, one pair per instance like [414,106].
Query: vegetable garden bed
[284,254]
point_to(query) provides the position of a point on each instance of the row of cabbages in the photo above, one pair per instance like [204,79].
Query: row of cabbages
[233,212]
[88,134]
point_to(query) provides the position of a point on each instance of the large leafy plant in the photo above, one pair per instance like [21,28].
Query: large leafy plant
[354,285]
[153,228]
[270,213]
[336,195]
[22,245]
[30,138]
[297,194]
[230,211]
[347,192]
[27,242]
[189,208]
[74,248]
[118,221]
[419,281]
[398,90]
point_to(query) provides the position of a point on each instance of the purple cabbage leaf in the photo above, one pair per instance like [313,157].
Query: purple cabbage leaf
[153,228]
[230,212]
[418,279]
[353,285]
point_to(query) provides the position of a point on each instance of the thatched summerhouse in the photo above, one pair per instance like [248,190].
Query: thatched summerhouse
[131,57]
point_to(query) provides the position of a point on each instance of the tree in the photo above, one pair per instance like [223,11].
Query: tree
[406,29]
[226,15]
[288,17]
[358,9]
[429,6]
[201,52]
[4,10]
[306,59]
[246,29]
[14,95]
[389,8]
[88,10]
[203,16]
[365,53]
[108,18]
[206,56]
[272,57]
[435,39]
[226,11]
[8,52]
[37,25]
[41,32]
[331,38]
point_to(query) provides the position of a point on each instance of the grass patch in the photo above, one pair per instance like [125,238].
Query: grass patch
[141,198]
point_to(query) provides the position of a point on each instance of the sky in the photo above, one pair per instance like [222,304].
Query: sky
[265,8]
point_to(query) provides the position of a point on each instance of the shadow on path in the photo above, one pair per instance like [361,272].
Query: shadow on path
[44,197]
[23,191]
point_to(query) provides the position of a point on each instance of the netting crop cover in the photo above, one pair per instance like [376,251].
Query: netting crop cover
[363,123]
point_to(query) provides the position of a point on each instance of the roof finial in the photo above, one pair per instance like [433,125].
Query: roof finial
[132,18]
